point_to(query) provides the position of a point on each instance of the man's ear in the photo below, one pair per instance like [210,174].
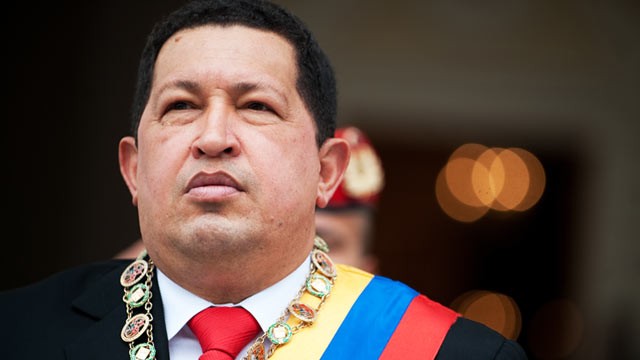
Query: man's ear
[334,159]
[128,159]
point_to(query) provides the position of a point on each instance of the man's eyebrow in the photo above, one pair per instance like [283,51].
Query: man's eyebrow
[259,85]
[181,84]
[239,88]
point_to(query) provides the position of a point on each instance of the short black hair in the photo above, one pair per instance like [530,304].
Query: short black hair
[316,81]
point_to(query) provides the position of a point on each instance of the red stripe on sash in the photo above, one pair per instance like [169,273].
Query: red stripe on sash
[420,331]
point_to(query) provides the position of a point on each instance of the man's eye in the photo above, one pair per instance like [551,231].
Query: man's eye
[179,105]
[257,106]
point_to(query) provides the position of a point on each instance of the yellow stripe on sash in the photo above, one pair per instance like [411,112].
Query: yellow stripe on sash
[311,342]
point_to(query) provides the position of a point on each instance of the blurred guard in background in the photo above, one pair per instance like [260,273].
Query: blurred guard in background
[347,223]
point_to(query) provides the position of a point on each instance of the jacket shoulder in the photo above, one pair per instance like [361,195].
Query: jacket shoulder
[468,339]
[60,287]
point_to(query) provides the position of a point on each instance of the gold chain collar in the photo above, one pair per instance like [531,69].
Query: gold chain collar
[137,298]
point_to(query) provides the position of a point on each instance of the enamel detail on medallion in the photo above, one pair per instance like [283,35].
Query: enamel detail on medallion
[320,244]
[323,262]
[144,351]
[137,296]
[302,312]
[279,333]
[318,285]
[256,352]
[135,327]
[134,273]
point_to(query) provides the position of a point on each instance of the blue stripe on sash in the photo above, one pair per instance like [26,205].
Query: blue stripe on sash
[365,331]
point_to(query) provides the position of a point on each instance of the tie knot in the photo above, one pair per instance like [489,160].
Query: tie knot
[223,331]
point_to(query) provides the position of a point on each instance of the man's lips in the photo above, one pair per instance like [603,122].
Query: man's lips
[212,185]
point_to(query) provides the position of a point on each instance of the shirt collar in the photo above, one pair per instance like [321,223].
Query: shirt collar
[266,306]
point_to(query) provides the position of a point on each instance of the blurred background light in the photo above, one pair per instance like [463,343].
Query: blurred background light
[477,178]
[498,311]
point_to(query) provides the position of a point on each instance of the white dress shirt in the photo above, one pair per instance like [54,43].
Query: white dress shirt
[180,306]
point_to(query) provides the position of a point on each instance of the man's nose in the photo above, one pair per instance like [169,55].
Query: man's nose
[215,133]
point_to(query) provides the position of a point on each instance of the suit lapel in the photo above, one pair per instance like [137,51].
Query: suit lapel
[103,303]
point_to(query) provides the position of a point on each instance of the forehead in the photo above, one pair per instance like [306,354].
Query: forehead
[215,47]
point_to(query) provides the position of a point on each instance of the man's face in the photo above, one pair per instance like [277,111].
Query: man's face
[345,233]
[226,161]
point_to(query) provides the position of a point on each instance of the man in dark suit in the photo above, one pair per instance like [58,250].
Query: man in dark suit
[232,150]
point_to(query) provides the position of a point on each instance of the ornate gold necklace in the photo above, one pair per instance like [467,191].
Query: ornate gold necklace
[137,298]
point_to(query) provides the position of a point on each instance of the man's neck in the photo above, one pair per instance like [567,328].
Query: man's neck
[232,280]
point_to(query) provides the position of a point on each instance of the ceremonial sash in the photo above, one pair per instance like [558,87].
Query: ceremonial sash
[371,317]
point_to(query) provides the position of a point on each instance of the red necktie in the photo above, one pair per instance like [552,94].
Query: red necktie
[223,331]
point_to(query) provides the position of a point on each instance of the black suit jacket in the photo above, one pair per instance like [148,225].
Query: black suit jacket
[78,314]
